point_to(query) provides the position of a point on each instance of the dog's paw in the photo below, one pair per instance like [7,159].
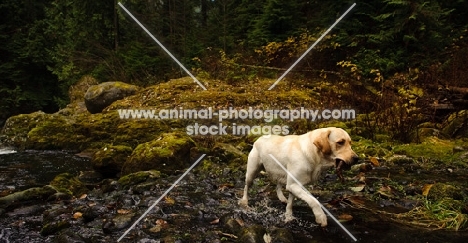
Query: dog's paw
[288,217]
[321,219]
[243,203]
[283,200]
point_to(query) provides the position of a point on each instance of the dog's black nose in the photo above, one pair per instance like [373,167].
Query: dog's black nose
[355,159]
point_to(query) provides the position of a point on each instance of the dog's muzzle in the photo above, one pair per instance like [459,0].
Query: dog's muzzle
[341,165]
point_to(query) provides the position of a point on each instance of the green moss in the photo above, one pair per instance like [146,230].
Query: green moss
[253,233]
[440,191]
[110,159]
[169,152]
[368,148]
[17,127]
[138,177]
[185,93]
[68,184]
[55,133]
[133,132]
[125,89]
[229,154]
[28,194]
[431,148]
[54,227]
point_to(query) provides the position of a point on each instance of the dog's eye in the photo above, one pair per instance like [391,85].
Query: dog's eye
[342,142]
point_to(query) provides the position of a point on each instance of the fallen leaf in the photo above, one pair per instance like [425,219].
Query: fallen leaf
[169,200]
[358,188]
[355,200]
[83,196]
[216,221]
[386,191]
[123,211]
[374,161]
[161,222]
[361,177]
[228,235]
[77,215]
[241,222]
[426,188]
[225,186]
[345,217]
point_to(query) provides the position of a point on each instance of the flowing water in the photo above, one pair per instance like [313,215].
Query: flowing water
[30,168]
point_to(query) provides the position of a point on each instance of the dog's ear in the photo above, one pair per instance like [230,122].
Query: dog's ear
[322,142]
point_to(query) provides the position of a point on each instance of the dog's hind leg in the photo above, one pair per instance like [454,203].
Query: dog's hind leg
[254,166]
[280,194]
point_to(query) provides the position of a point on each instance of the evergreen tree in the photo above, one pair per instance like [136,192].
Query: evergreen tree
[279,20]
[25,83]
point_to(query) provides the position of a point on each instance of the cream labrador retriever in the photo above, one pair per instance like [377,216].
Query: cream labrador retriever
[305,157]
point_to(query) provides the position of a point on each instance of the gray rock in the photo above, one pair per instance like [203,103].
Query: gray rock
[98,97]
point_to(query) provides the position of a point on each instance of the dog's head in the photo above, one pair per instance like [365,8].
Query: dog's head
[335,143]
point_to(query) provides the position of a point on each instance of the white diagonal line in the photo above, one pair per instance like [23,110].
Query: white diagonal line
[311,47]
[162,46]
[161,197]
[315,199]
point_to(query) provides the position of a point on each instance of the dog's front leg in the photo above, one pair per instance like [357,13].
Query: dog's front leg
[297,190]
[244,202]
[289,215]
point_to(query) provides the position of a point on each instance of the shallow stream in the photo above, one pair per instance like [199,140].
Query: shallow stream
[198,209]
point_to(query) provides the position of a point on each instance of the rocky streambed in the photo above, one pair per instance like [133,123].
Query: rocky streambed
[375,205]
[416,192]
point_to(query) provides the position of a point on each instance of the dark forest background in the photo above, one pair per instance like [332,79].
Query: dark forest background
[388,53]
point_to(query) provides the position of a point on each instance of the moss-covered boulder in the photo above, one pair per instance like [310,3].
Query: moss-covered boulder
[78,131]
[110,159]
[16,128]
[56,132]
[34,193]
[100,96]
[439,191]
[138,177]
[69,184]
[168,153]
[54,227]
[228,153]
[252,234]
